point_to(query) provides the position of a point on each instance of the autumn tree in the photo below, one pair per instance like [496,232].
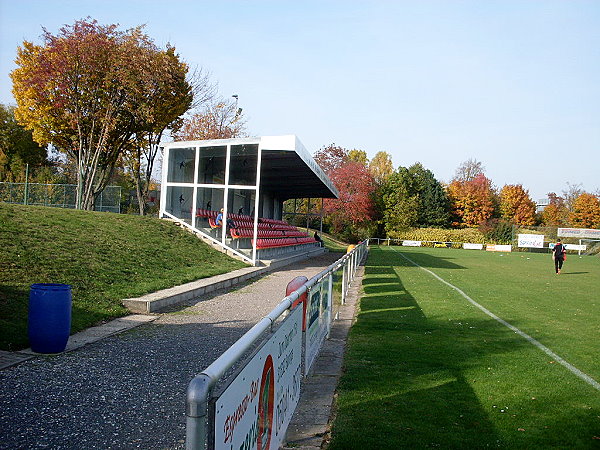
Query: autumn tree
[17,148]
[219,119]
[586,211]
[472,201]
[381,167]
[359,156]
[167,97]
[516,206]
[555,213]
[571,193]
[468,170]
[89,90]
[331,157]
[351,214]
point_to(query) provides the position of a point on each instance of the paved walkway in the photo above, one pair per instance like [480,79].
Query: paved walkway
[127,390]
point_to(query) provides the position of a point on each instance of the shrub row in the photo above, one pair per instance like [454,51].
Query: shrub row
[471,235]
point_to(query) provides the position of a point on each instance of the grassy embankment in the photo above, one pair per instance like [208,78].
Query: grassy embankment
[104,257]
[425,368]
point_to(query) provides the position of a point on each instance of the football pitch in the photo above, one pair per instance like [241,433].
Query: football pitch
[471,349]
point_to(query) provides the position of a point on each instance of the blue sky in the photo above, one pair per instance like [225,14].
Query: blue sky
[513,84]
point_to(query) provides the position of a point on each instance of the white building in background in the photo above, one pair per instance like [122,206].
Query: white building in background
[249,178]
[541,204]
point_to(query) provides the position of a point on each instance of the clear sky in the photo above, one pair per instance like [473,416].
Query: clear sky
[513,84]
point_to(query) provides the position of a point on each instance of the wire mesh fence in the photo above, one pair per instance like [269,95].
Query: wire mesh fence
[57,195]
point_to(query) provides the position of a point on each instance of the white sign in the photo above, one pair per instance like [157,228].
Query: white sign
[579,233]
[411,243]
[256,408]
[531,240]
[316,321]
[467,246]
[574,247]
[498,248]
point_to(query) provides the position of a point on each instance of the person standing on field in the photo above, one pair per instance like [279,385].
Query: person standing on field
[558,255]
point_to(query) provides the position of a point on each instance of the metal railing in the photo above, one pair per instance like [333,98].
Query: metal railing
[200,404]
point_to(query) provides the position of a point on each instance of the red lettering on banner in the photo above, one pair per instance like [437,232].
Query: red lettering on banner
[233,419]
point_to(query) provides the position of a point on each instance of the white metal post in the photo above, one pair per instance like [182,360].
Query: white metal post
[225,195]
[195,193]
[163,185]
[256,203]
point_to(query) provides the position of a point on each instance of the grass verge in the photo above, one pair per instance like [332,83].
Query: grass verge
[425,368]
[104,257]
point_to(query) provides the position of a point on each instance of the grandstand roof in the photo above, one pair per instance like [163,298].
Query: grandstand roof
[286,166]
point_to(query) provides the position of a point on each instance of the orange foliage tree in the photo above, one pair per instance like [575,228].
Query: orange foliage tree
[516,206]
[555,213]
[586,211]
[472,201]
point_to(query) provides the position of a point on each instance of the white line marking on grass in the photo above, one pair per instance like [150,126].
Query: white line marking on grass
[533,341]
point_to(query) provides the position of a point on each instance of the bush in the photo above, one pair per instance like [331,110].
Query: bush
[471,235]
[497,231]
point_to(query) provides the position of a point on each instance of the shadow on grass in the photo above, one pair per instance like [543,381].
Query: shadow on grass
[394,258]
[404,384]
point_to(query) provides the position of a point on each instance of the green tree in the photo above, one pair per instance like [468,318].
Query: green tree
[400,201]
[17,148]
[89,90]
[434,205]
[412,197]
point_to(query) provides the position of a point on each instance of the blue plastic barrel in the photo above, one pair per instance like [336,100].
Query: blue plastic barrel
[49,317]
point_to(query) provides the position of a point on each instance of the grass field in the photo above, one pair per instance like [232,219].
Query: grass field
[104,257]
[426,368]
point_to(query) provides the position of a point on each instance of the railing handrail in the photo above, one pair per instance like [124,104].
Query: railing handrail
[201,386]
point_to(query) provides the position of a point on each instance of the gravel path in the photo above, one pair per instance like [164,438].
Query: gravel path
[128,391]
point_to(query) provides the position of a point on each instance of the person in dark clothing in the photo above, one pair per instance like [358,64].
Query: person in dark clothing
[318,239]
[558,255]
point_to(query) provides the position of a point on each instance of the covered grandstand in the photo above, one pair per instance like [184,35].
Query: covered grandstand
[248,179]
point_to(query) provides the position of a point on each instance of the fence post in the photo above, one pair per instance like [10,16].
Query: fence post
[26,184]
[198,394]
[344,280]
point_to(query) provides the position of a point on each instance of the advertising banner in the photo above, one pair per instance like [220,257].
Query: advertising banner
[579,233]
[411,243]
[468,246]
[531,240]
[498,248]
[256,408]
[574,247]
[317,315]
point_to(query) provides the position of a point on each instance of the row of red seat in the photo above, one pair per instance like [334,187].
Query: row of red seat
[282,242]
[210,213]
[275,221]
[249,224]
[237,233]
[243,221]
[240,225]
